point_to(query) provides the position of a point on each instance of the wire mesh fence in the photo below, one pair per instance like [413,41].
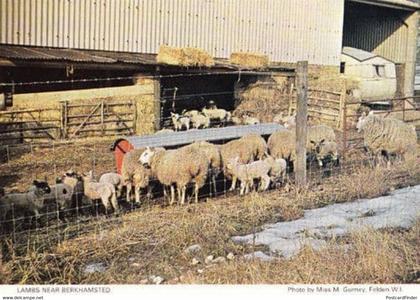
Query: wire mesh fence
[30,215]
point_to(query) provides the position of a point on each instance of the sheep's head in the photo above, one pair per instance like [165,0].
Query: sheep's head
[87,176]
[42,187]
[326,149]
[146,157]
[231,163]
[363,119]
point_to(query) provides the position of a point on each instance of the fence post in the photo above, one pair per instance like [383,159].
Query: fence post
[102,118]
[301,121]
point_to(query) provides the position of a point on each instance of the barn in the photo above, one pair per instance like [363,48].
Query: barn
[53,53]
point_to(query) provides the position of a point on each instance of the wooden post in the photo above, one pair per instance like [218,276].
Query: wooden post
[301,121]
[102,118]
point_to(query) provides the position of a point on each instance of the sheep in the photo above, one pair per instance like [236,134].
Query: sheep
[104,191]
[60,193]
[387,136]
[213,155]
[246,173]
[326,149]
[74,180]
[177,167]
[277,168]
[32,200]
[115,179]
[180,122]
[236,120]
[132,168]
[218,114]
[317,134]
[190,113]
[248,148]
[282,144]
[200,121]
[248,120]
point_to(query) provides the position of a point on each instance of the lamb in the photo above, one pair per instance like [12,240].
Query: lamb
[33,200]
[177,167]
[247,173]
[115,179]
[104,191]
[248,120]
[190,113]
[61,194]
[326,149]
[180,122]
[218,114]
[248,148]
[135,174]
[277,168]
[387,136]
[213,155]
[200,121]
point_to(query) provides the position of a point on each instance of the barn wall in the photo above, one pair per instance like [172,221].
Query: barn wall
[287,30]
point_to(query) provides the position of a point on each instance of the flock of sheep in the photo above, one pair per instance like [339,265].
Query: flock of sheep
[203,119]
[251,160]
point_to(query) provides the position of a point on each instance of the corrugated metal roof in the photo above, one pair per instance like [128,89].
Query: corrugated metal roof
[211,134]
[404,4]
[359,54]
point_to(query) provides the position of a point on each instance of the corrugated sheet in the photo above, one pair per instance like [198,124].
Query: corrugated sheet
[383,33]
[211,134]
[286,30]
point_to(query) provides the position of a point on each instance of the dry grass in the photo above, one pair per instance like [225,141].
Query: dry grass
[187,57]
[151,241]
[249,60]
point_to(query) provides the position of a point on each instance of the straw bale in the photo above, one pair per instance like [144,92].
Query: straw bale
[249,60]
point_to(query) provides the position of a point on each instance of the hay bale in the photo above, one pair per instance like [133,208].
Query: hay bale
[187,57]
[249,60]
[262,100]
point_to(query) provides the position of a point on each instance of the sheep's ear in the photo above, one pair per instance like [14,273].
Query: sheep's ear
[312,142]
[322,141]
[35,182]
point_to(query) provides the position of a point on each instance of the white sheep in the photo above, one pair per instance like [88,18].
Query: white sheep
[177,167]
[317,134]
[190,113]
[32,200]
[61,194]
[115,179]
[200,121]
[213,155]
[387,136]
[248,120]
[277,168]
[217,114]
[247,148]
[180,122]
[103,191]
[247,173]
[74,180]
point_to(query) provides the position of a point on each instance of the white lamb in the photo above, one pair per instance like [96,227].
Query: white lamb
[200,121]
[248,120]
[180,122]
[247,173]
[104,191]
[217,114]
[115,179]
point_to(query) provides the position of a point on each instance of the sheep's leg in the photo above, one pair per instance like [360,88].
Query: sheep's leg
[213,178]
[266,181]
[196,193]
[232,187]
[114,202]
[149,192]
[105,202]
[129,187]
[172,195]
[137,194]
[241,192]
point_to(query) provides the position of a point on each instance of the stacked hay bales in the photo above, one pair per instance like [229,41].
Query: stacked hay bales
[249,60]
[186,57]
[262,100]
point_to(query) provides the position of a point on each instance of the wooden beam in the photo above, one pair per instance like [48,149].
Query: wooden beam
[301,121]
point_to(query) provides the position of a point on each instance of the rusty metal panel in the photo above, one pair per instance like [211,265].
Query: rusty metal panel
[286,31]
